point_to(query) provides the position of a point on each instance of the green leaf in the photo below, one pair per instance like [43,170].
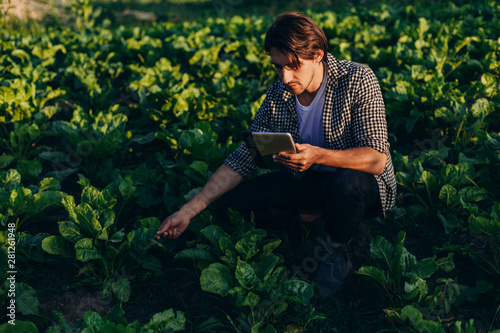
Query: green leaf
[165,321]
[49,184]
[21,326]
[446,264]
[270,247]
[150,223]
[10,180]
[298,291]
[86,220]
[85,250]
[425,268]
[251,300]
[58,245]
[29,169]
[490,227]
[247,245]
[449,222]
[217,279]
[481,108]
[381,249]
[373,272]
[197,255]
[70,231]
[47,199]
[473,194]
[447,194]
[117,237]
[127,188]
[246,276]
[5,160]
[26,299]
[213,233]
[264,268]
[121,289]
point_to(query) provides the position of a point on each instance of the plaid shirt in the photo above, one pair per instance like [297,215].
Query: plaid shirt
[353,116]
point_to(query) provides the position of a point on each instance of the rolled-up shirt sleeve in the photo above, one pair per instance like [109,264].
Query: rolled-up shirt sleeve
[369,118]
[241,159]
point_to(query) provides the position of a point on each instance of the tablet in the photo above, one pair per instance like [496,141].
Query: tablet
[262,146]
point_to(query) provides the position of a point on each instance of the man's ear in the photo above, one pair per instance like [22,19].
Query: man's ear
[319,55]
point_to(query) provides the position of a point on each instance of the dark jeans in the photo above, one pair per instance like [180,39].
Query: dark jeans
[276,198]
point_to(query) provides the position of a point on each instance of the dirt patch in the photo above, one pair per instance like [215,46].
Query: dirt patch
[28,10]
[73,305]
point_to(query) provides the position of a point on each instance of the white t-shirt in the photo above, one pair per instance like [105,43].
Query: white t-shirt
[311,121]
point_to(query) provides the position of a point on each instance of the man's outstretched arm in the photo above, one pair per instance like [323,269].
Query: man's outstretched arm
[222,181]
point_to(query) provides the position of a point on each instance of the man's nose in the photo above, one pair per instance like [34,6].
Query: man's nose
[287,76]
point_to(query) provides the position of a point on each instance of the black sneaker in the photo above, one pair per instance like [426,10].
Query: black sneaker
[333,271]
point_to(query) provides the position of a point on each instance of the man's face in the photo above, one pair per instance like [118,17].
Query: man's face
[306,78]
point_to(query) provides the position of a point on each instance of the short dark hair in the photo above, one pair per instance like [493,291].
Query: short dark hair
[296,34]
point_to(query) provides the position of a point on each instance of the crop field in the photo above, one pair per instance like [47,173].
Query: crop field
[107,128]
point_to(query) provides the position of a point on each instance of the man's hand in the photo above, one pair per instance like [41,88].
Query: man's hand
[305,157]
[174,225]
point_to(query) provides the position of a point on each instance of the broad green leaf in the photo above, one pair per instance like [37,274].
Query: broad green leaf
[270,247]
[251,300]
[449,222]
[69,205]
[481,108]
[473,194]
[217,279]
[107,218]
[425,268]
[490,227]
[11,179]
[49,183]
[197,255]
[150,223]
[29,169]
[416,288]
[247,245]
[127,188]
[21,54]
[21,326]
[264,268]
[93,320]
[446,264]
[117,237]
[165,321]
[200,167]
[86,220]
[121,289]
[245,275]
[299,291]
[381,249]
[47,199]
[26,299]
[374,273]
[447,194]
[5,160]
[58,245]
[213,233]
[85,250]
[70,231]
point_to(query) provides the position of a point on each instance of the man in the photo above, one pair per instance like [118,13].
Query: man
[335,111]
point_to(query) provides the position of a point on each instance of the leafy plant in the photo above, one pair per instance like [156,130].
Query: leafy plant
[245,270]
[105,252]
[403,276]
[20,205]
[114,321]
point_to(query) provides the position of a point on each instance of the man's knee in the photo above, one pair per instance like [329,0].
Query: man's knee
[347,181]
